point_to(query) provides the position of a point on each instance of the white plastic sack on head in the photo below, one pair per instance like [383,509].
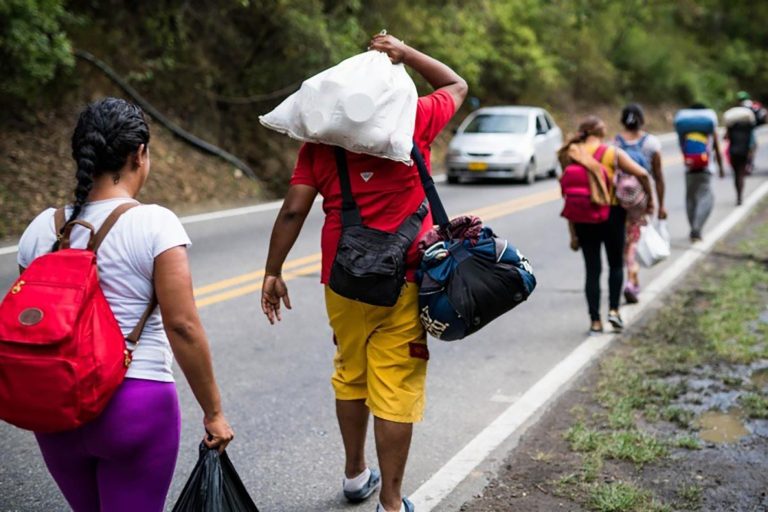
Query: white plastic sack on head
[364,104]
[739,115]
[651,248]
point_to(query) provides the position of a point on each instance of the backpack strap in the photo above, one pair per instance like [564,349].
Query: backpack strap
[63,238]
[135,334]
[97,240]
[600,153]
[108,224]
[59,219]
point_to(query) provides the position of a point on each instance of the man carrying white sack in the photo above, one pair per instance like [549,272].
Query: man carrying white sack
[381,352]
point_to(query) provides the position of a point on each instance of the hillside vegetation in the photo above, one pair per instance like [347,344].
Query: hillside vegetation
[213,67]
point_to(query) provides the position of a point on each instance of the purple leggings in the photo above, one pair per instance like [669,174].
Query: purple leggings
[122,461]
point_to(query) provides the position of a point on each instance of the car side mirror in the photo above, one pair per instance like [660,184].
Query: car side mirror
[455,131]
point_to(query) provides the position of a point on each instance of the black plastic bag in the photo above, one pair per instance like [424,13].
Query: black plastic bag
[214,486]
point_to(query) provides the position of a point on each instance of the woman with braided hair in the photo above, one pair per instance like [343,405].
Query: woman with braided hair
[591,237]
[124,459]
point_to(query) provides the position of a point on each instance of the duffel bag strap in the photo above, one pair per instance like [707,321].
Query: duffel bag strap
[350,214]
[438,211]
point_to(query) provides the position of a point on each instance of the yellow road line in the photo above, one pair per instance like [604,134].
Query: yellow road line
[254,287]
[523,204]
[296,267]
[232,281]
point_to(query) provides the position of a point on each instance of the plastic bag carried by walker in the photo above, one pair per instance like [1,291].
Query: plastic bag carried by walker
[214,486]
[653,245]
[364,104]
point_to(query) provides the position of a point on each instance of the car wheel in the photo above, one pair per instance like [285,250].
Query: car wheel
[556,171]
[530,173]
[453,180]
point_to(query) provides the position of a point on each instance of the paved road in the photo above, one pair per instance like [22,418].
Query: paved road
[275,380]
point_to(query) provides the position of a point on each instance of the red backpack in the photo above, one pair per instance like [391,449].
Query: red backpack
[574,184]
[62,354]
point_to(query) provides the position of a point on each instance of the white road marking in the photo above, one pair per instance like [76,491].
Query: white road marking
[505,399]
[221,214]
[510,422]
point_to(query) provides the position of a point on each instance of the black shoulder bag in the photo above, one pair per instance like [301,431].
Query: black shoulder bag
[370,263]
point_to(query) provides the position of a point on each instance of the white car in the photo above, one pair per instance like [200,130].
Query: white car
[505,142]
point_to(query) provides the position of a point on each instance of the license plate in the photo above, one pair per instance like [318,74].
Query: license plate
[477,166]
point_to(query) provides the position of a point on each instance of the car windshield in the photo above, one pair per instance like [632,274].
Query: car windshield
[498,123]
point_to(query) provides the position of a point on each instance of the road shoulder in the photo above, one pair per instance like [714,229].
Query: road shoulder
[674,416]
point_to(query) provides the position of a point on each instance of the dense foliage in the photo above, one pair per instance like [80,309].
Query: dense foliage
[33,46]
[202,61]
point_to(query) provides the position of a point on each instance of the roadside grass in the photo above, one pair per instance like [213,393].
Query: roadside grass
[754,405]
[690,496]
[688,442]
[757,245]
[616,497]
[711,324]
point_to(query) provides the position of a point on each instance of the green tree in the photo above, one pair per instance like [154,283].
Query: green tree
[33,46]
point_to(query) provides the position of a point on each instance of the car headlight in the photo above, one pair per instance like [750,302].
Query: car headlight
[454,152]
[510,152]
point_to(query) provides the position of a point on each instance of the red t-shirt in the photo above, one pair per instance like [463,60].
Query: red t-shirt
[386,191]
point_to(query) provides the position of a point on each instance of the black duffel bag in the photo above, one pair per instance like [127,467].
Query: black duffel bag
[370,263]
[466,283]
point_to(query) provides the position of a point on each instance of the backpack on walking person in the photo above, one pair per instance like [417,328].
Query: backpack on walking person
[62,353]
[694,128]
[629,191]
[577,183]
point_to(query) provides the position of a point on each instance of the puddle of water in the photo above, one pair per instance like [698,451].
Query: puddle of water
[760,378]
[721,427]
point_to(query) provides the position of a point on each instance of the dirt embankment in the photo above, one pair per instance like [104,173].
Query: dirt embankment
[36,170]
[674,417]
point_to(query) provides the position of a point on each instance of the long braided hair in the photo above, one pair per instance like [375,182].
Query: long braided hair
[591,125]
[107,132]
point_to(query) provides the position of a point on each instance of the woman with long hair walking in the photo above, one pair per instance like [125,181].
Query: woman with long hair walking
[589,141]
[123,460]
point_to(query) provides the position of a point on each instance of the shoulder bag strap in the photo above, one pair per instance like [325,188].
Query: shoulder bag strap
[101,234]
[350,214]
[436,205]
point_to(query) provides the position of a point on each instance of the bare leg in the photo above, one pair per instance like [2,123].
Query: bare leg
[353,423]
[393,440]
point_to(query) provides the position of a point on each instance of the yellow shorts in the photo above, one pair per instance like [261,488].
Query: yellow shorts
[381,355]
